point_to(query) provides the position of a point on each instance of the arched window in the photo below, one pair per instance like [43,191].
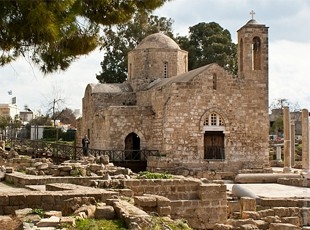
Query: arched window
[256,53]
[214,119]
[165,69]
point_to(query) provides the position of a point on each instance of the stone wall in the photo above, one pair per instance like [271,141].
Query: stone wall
[202,205]
[52,200]
[178,123]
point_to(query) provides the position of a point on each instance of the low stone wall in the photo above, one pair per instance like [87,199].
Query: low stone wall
[300,182]
[21,179]
[264,177]
[275,214]
[51,200]
[202,205]
[173,189]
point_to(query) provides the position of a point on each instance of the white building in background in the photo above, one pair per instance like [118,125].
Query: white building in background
[9,110]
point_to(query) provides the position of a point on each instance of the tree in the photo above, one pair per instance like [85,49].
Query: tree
[276,118]
[4,123]
[66,116]
[209,43]
[54,33]
[121,39]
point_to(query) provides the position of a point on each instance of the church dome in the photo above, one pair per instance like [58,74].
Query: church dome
[158,41]
[252,22]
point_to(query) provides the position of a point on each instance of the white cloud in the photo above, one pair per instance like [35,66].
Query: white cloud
[289,72]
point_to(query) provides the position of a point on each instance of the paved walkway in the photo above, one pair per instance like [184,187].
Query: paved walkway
[6,188]
[275,190]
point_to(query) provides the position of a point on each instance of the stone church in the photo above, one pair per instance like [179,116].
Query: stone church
[199,120]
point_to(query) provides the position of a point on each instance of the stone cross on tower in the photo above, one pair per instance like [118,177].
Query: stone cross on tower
[252,14]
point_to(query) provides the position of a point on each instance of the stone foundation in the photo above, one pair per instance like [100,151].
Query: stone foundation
[51,200]
[202,205]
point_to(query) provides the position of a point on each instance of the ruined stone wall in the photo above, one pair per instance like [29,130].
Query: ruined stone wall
[50,200]
[202,205]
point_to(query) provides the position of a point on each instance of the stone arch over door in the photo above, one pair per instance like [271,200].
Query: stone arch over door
[132,147]
[213,129]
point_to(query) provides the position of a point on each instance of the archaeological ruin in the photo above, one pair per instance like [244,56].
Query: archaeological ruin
[216,169]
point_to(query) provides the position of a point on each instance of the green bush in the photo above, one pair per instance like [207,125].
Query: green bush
[151,175]
[50,133]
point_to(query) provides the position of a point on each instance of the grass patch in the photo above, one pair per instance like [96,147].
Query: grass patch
[92,224]
[37,211]
[151,175]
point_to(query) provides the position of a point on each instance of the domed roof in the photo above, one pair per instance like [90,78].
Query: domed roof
[158,41]
[252,22]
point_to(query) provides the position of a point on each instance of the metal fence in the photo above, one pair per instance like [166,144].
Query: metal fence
[60,152]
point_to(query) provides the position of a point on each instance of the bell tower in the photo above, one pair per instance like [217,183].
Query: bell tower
[253,50]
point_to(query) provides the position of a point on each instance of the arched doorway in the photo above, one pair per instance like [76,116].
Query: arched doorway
[132,147]
[214,137]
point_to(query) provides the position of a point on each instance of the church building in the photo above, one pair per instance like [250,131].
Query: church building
[199,120]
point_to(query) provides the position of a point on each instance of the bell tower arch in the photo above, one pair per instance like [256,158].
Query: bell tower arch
[253,50]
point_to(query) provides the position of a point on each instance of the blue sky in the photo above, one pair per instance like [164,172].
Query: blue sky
[289,52]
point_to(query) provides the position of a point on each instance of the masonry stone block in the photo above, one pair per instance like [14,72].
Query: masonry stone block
[105,212]
[250,214]
[49,222]
[247,204]
[283,226]
[163,210]
[262,224]
[266,212]
[305,215]
[295,220]
[145,201]
[34,199]
[9,210]
[18,200]
[67,220]
[162,201]
[4,200]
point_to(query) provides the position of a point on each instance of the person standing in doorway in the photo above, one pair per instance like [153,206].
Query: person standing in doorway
[85,143]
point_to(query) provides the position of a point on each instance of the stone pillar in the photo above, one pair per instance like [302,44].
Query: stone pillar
[287,140]
[247,204]
[292,143]
[278,153]
[305,140]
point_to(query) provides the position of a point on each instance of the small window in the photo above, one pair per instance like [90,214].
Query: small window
[241,55]
[130,71]
[165,69]
[256,53]
[214,81]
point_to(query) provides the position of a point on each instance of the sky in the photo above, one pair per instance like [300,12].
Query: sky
[289,53]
